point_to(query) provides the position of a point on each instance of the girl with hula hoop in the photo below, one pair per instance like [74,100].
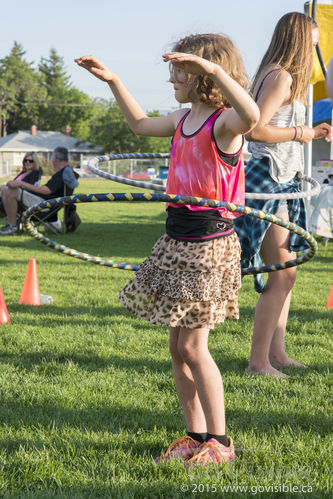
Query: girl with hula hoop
[191,279]
[276,143]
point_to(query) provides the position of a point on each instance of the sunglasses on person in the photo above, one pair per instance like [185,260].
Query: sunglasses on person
[28,161]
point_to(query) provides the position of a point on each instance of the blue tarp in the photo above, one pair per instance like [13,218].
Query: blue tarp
[322,110]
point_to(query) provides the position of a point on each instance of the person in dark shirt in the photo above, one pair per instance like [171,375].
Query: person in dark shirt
[28,194]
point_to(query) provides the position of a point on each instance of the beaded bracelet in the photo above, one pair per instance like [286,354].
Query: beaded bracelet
[300,137]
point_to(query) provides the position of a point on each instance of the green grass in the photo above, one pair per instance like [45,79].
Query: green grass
[87,393]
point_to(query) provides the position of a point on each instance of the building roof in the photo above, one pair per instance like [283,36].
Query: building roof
[25,141]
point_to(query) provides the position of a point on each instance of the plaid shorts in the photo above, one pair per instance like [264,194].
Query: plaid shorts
[251,231]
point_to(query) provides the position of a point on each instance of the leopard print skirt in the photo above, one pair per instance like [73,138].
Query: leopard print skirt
[187,284]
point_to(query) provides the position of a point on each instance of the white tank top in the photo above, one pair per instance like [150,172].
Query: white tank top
[286,158]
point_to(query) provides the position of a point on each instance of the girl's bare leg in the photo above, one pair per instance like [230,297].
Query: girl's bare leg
[188,397]
[272,309]
[196,363]
[277,353]
[9,199]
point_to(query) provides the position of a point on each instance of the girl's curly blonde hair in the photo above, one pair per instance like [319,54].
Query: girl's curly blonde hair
[221,50]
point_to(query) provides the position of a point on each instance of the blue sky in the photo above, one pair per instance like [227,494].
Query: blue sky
[131,35]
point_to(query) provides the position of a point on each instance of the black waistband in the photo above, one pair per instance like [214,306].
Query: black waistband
[188,225]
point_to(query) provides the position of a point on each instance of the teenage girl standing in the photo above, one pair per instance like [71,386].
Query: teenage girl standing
[276,143]
[191,279]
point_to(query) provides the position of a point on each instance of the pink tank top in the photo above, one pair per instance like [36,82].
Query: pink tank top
[21,176]
[197,169]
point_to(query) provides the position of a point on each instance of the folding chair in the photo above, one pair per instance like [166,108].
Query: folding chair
[40,173]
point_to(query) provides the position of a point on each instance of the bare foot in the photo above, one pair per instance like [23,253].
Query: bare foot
[286,362]
[270,370]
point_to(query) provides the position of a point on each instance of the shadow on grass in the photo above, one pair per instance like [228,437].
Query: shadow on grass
[50,488]
[127,239]
[301,315]
[90,362]
[131,490]
[113,418]
[16,244]
[73,315]
[268,422]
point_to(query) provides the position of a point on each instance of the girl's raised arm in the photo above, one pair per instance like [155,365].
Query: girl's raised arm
[244,114]
[139,122]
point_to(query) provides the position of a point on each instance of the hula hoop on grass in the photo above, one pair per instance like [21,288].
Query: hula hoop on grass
[88,198]
[92,166]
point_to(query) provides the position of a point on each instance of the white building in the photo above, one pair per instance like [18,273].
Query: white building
[13,147]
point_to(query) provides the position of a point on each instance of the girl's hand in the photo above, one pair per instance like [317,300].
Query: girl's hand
[191,63]
[318,132]
[95,67]
[324,130]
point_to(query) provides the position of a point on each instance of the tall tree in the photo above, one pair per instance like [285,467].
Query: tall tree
[110,130]
[46,97]
[20,92]
[64,104]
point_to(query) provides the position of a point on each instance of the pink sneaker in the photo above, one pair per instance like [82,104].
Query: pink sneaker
[183,448]
[213,452]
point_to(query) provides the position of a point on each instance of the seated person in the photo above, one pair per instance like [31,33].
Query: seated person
[31,173]
[28,194]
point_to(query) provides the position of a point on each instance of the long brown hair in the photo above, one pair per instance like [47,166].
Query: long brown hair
[221,50]
[291,49]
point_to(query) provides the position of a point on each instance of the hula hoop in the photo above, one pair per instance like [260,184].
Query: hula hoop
[154,187]
[87,198]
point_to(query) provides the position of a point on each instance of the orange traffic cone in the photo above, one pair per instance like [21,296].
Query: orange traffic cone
[4,315]
[30,293]
[329,303]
